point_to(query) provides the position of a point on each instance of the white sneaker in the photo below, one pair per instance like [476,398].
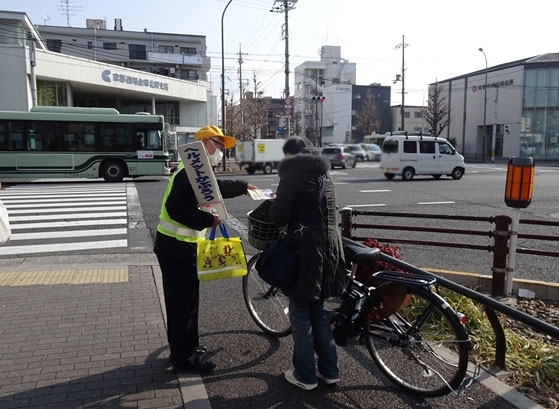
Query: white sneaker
[289,377]
[329,381]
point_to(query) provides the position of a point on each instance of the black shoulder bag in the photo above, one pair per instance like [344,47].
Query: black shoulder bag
[277,264]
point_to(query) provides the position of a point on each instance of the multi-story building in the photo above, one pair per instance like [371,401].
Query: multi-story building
[414,120]
[511,109]
[327,100]
[93,66]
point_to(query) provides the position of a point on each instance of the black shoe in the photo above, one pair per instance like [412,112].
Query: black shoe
[201,350]
[197,363]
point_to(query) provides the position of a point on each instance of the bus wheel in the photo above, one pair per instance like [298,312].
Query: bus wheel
[113,171]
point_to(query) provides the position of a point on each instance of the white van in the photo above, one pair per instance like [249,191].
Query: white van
[409,155]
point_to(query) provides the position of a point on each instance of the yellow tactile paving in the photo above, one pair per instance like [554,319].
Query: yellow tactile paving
[70,276]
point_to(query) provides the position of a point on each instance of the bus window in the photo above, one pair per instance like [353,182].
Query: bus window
[140,140]
[154,140]
[3,138]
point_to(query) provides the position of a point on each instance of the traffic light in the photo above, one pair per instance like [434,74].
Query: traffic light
[318,98]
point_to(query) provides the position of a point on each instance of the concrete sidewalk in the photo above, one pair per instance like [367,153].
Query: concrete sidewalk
[87,337]
[93,335]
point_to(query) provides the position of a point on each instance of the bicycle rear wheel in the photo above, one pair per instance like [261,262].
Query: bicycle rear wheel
[423,348]
[267,305]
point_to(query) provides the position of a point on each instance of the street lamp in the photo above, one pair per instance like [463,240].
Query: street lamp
[484,108]
[223,79]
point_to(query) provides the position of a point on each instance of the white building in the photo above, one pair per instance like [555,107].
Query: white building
[330,77]
[130,71]
[507,110]
[331,118]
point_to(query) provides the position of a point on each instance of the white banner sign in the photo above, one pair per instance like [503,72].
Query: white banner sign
[202,178]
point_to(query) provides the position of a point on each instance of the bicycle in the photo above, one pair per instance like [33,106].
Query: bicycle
[412,334]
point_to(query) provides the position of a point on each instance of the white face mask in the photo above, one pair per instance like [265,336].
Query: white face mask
[215,157]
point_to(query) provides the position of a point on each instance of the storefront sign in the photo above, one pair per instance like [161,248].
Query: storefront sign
[128,79]
[496,84]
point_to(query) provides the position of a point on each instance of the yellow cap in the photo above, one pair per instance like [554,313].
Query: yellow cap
[213,131]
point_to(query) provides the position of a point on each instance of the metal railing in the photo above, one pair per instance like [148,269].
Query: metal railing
[498,231]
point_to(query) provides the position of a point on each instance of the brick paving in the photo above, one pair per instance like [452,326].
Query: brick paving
[95,345]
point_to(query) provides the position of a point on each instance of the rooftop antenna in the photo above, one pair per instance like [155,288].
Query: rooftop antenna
[46,18]
[68,9]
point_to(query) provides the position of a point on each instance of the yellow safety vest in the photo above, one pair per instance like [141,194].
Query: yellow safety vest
[172,228]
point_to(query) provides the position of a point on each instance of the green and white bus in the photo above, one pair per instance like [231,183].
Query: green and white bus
[72,142]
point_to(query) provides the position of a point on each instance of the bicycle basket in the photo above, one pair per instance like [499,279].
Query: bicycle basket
[260,233]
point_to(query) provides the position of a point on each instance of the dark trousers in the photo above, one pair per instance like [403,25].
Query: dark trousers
[182,296]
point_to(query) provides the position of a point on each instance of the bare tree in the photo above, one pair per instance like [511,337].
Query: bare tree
[368,118]
[436,113]
[254,111]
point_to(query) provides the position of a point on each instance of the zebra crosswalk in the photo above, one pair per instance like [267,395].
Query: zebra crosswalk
[65,217]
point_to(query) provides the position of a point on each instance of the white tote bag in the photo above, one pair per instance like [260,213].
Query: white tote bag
[5,231]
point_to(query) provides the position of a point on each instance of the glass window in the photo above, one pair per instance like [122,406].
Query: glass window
[390,146]
[189,75]
[3,138]
[445,149]
[426,147]
[137,51]
[165,49]
[187,50]
[410,147]
[542,87]
[54,45]
[109,46]
[529,88]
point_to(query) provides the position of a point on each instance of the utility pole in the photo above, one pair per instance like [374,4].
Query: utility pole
[484,107]
[402,45]
[32,63]
[223,79]
[241,84]
[285,6]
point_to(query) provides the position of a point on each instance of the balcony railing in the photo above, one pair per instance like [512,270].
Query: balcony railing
[172,58]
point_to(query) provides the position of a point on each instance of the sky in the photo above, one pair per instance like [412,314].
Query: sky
[442,38]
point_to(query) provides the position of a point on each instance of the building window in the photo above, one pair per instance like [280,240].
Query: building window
[109,46]
[418,114]
[188,50]
[136,51]
[165,49]
[189,75]
[54,45]
[90,45]
[406,114]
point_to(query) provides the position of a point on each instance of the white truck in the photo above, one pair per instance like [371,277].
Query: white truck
[259,154]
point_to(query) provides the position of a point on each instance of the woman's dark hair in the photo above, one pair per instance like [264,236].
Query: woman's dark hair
[298,144]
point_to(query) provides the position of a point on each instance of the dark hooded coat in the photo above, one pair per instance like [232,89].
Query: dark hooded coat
[321,272]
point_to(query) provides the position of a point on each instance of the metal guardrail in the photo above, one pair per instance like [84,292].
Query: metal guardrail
[500,234]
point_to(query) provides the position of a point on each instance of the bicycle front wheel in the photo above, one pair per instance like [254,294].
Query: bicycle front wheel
[267,305]
[423,348]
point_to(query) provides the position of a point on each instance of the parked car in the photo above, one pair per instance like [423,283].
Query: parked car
[373,151]
[339,156]
[358,152]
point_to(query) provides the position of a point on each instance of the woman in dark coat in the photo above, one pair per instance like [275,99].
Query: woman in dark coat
[302,203]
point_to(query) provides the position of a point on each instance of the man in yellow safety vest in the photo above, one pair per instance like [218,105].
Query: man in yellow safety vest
[182,224]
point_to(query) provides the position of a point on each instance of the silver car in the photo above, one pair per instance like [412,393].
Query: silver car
[373,151]
[339,156]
